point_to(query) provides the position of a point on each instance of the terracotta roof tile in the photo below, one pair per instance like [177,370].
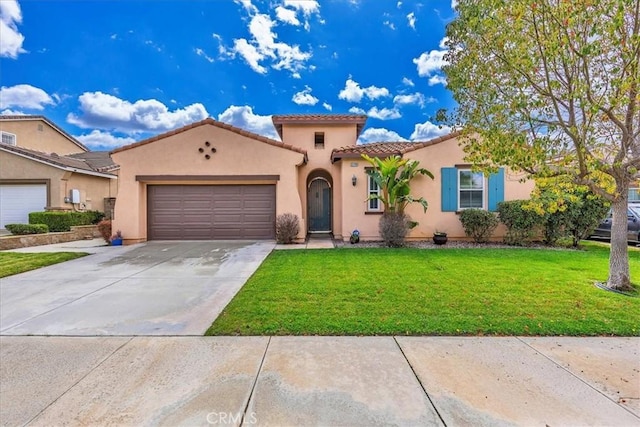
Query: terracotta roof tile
[386,149]
[49,122]
[54,159]
[318,119]
[98,160]
[210,121]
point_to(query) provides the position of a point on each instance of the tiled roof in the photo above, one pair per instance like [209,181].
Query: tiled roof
[49,122]
[318,119]
[53,159]
[210,121]
[98,160]
[385,149]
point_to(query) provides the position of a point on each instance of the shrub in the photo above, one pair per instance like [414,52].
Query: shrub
[522,224]
[21,229]
[394,227]
[104,227]
[63,221]
[584,215]
[287,228]
[478,224]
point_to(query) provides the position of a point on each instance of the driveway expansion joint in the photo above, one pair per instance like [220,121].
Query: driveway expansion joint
[582,380]
[255,382]
[415,374]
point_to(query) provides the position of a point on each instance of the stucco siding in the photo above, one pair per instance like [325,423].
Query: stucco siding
[40,136]
[178,159]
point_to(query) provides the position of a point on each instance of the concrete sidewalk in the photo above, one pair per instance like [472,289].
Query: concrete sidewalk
[319,381]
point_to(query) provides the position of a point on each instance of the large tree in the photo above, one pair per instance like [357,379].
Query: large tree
[551,87]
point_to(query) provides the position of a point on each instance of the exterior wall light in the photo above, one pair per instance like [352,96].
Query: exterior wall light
[354,180]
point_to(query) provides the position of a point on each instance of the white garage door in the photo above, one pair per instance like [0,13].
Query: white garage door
[16,201]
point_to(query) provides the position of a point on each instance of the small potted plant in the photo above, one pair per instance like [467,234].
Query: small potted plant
[116,239]
[439,237]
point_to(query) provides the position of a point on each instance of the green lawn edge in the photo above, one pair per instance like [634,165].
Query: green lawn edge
[467,292]
[19,262]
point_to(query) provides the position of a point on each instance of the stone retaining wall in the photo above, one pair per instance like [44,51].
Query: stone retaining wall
[80,232]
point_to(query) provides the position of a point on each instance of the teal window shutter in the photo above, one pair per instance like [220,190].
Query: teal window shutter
[449,189]
[496,189]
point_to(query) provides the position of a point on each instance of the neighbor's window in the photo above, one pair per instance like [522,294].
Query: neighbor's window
[319,140]
[470,189]
[634,194]
[373,188]
[8,138]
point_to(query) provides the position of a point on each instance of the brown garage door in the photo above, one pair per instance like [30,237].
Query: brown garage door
[206,212]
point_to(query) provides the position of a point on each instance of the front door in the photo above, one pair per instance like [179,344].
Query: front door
[319,203]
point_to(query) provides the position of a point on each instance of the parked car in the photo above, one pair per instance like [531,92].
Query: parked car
[603,231]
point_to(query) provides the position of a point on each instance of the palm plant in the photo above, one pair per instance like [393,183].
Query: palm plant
[393,176]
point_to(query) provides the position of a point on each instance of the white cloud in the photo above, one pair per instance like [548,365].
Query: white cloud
[24,96]
[410,99]
[327,106]
[357,110]
[244,118]
[202,53]
[103,111]
[287,15]
[429,64]
[399,4]
[390,24]
[454,4]
[307,7]
[437,80]
[379,135]
[411,20]
[104,140]
[263,45]
[384,113]
[408,82]
[9,112]
[352,91]
[304,97]
[10,37]
[427,130]
[248,6]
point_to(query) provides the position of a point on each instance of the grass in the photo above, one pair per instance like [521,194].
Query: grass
[432,292]
[14,262]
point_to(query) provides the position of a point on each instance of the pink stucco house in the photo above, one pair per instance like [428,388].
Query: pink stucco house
[210,180]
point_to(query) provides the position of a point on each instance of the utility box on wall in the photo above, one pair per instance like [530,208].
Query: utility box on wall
[74,196]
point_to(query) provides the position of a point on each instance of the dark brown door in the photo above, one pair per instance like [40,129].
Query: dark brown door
[209,212]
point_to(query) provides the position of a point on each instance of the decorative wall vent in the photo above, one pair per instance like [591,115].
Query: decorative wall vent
[206,150]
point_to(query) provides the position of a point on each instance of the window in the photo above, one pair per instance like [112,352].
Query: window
[470,189]
[373,189]
[634,194]
[8,138]
[319,140]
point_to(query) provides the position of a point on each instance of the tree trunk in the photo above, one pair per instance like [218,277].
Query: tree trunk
[619,276]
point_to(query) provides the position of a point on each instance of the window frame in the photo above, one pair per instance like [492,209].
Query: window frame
[370,191]
[12,135]
[483,190]
[318,140]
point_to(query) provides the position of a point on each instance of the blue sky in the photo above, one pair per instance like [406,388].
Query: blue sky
[114,72]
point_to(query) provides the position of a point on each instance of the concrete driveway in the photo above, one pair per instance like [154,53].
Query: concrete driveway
[155,288]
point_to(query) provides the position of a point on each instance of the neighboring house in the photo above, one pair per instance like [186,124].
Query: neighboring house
[210,180]
[40,165]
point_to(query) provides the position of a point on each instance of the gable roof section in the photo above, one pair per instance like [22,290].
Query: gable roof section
[97,160]
[210,121]
[16,118]
[67,163]
[319,119]
[386,149]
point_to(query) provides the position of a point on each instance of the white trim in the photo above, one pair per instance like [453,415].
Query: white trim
[15,138]
[370,180]
[484,190]
[64,168]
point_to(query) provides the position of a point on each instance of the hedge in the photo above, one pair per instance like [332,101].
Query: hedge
[22,229]
[63,221]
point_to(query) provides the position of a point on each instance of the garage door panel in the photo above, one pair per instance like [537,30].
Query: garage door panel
[18,200]
[205,212]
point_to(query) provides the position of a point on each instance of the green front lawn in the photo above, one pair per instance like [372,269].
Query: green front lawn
[14,262]
[432,292]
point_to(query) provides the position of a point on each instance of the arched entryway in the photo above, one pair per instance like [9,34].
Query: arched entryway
[319,202]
